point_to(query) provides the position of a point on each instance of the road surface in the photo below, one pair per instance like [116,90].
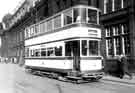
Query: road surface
[15,80]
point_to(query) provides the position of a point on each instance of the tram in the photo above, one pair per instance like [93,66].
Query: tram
[66,44]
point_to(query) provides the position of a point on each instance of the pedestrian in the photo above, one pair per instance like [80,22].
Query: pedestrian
[124,65]
[120,68]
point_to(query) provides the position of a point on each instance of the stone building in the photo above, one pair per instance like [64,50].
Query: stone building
[13,36]
[1,32]
[118,20]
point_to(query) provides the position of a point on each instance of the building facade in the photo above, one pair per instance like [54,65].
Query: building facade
[13,36]
[118,20]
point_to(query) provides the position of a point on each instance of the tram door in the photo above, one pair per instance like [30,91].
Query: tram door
[72,48]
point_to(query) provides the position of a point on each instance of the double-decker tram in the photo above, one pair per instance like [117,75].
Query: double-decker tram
[66,45]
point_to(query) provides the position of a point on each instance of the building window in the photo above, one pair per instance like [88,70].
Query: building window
[117,30]
[114,5]
[117,4]
[125,29]
[108,6]
[118,45]
[117,39]
[108,31]
[127,45]
[109,47]
[125,3]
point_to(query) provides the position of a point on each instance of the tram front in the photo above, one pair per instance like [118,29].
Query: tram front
[85,47]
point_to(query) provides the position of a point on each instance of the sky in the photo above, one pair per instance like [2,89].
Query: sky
[7,6]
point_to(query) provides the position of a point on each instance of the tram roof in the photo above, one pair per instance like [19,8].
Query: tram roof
[76,6]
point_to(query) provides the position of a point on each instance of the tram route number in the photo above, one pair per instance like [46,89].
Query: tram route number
[93,33]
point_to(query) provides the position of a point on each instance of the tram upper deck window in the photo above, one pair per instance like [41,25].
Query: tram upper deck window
[79,15]
[68,17]
[92,16]
[84,15]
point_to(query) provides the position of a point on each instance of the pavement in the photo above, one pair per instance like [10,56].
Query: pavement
[125,80]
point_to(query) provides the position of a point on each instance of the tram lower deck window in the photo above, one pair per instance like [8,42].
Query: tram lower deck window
[90,47]
[84,47]
[93,47]
[50,52]
[58,51]
[37,53]
[43,52]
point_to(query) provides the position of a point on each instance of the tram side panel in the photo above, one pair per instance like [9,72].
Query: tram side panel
[65,34]
[90,65]
[62,66]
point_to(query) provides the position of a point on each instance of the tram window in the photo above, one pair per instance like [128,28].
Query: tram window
[68,17]
[41,27]
[26,33]
[27,52]
[57,22]
[44,26]
[37,53]
[50,52]
[31,31]
[83,15]
[84,47]
[93,48]
[32,53]
[77,16]
[58,51]
[49,25]
[68,49]
[43,52]
[92,16]
[37,29]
